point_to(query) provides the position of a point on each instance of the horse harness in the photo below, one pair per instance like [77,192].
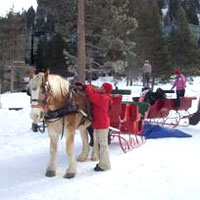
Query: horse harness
[71,107]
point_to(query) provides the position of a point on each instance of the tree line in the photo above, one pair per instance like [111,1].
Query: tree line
[120,36]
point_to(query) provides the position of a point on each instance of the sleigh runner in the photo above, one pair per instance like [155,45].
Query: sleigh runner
[128,118]
[165,111]
[127,122]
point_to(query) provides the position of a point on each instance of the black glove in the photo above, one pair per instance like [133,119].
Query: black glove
[80,85]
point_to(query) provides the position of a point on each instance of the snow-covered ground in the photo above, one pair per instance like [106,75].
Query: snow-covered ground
[161,169]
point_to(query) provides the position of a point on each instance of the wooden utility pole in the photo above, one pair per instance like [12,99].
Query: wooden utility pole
[81,42]
[90,61]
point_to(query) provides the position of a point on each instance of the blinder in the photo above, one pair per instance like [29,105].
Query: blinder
[43,97]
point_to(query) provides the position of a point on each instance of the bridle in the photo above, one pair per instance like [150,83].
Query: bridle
[44,100]
[44,97]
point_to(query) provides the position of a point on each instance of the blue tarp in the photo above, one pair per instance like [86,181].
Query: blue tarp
[152,131]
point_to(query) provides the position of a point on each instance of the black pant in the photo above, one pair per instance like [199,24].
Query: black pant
[90,131]
[179,93]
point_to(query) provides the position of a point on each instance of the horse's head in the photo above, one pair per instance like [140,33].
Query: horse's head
[39,90]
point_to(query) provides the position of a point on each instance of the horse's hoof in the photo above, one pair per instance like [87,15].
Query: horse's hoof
[94,157]
[50,173]
[81,159]
[69,175]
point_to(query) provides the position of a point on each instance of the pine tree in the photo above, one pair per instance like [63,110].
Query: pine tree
[12,43]
[50,54]
[173,7]
[184,50]
[41,57]
[30,18]
[191,9]
[57,63]
[159,53]
[64,13]
[161,4]
[29,34]
[12,31]
[150,43]
[107,27]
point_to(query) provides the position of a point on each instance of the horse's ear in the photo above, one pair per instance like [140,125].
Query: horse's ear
[46,74]
[31,73]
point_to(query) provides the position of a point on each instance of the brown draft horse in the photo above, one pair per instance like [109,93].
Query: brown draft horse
[52,93]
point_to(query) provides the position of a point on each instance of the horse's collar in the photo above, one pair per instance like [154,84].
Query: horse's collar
[61,112]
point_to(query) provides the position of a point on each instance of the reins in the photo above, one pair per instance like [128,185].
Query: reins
[71,107]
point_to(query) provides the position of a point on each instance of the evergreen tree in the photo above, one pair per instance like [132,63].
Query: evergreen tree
[11,43]
[150,43]
[12,29]
[41,57]
[64,13]
[159,52]
[184,50]
[173,7]
[191,9]
[161,4]
[57,63]
[50,54]
[30,18]
[107,27]
[117,28]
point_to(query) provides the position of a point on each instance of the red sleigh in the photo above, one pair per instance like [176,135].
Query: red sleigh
[127,122]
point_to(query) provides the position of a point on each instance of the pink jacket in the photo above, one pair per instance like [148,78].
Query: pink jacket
[180,82]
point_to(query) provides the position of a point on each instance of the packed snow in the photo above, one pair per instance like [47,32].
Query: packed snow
[167,168]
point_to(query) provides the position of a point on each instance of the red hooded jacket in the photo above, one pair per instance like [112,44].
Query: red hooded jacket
[101,104]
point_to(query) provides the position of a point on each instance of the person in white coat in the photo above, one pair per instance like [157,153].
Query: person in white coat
[147,69]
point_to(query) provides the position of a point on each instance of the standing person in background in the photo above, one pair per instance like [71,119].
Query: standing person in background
[101,104]
[147,69]
[180,85]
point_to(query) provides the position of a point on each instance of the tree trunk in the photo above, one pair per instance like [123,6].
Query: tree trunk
[12,75]
[81,42]
[153,83]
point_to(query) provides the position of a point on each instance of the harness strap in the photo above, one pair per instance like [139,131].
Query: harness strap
[63,125]
[61,112]
[71,108]
[40,101]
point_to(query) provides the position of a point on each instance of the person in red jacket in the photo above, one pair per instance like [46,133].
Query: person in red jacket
[101,104]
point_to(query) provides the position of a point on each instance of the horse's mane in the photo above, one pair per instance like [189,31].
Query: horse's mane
[59,86]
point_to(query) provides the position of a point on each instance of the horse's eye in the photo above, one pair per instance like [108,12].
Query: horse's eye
[34,88]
